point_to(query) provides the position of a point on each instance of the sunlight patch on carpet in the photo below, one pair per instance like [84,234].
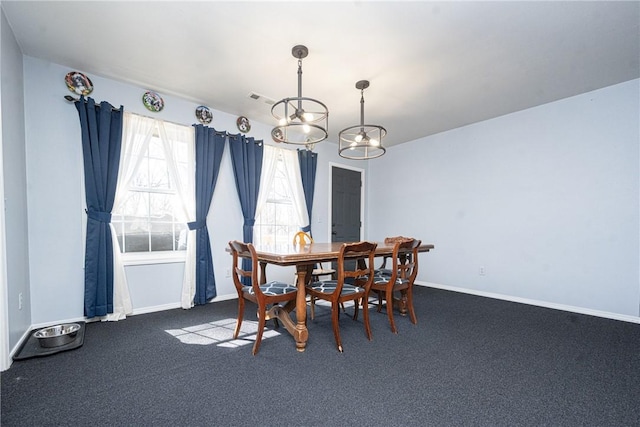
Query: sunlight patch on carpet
[220,333]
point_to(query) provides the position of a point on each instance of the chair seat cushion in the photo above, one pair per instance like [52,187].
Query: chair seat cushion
[383,271]
[384,278]
[273,288]
[329,286]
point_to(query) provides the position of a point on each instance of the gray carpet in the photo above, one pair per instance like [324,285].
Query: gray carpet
[470,361]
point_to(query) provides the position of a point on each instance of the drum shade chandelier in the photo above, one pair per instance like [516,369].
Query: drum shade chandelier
[362,142]
[301,120]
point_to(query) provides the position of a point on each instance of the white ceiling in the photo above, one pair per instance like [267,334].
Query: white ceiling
[433,66]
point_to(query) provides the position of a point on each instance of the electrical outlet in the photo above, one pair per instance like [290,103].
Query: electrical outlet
[20,301]
[482,271]
[228,274]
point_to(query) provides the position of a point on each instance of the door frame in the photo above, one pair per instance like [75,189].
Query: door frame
[330,198]
[5,361]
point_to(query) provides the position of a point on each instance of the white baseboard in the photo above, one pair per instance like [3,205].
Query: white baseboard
[225,297]
[13,351]
[155,308]
[171,306]
[563,307]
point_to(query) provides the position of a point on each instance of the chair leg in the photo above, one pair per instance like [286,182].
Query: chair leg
[379,301]
[240,317]
[336,325]
[261,324]
[356,305]
[365,315]
[408,295]
[389,299]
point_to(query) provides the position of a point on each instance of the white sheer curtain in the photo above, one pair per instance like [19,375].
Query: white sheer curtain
[171,134]
[292,170]
[137,132]
[269,165]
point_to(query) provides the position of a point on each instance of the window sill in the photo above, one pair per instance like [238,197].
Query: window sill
[149,258]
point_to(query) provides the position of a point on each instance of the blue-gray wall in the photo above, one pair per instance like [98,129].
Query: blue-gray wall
[545,199]
[16,256]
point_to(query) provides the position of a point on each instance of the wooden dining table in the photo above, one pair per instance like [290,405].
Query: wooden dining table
[304,258]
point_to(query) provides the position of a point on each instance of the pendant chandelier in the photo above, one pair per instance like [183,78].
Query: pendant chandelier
[301,120]
[362,142]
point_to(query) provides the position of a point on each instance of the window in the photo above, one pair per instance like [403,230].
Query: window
[281,208]
[277,222]
[149,213]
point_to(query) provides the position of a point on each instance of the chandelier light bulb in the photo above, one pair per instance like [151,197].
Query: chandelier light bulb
[358,137]
[306,128]
[374,142]
[308,117]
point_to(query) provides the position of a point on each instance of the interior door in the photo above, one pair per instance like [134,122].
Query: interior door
[346,200]
[346,186]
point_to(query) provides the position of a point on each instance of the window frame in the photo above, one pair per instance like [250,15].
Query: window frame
[281,165]
[150,257]
[271,200]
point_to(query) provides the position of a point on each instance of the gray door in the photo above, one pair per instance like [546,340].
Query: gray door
[345,205]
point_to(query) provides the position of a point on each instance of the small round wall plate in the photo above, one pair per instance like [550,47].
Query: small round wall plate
[276,135]
[204,115]
[153,101]
[243,124]
[78,83]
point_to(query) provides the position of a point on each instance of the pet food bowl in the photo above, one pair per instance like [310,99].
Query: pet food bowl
[55,336]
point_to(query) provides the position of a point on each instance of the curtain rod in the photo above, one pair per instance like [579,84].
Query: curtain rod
[74,100]
[220,132]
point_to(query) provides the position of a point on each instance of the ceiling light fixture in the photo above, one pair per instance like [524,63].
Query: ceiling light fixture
[301,120]
[362,142]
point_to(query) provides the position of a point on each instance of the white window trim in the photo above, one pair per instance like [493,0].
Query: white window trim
[150,258]
[274,155]
[154,257]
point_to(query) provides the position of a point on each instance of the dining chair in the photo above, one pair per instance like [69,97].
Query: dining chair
[389,240]
[348,285]
[264,295]
[303,238]
[399,278]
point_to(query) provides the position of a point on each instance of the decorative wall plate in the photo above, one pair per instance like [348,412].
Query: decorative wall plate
[204,115]
[276,134]
[243,124]
[153,101]
[78,83]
